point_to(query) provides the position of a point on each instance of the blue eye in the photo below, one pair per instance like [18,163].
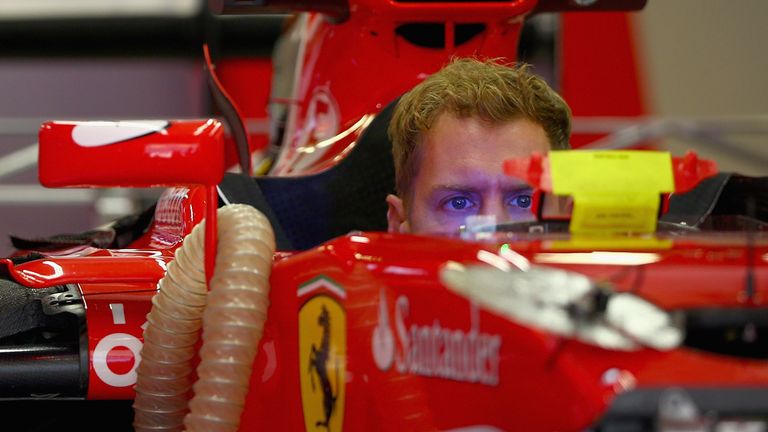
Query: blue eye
[458,203]
[523,201]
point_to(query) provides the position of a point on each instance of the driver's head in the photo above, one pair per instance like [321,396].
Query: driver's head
[450,135]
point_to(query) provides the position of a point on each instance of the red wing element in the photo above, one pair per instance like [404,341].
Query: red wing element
[689,170]
[131,153]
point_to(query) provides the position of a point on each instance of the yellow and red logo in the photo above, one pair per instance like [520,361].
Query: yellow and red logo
[322,364]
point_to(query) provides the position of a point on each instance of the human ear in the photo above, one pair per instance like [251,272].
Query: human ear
[397,222]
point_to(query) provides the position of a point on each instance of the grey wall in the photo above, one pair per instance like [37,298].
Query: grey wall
[34,90]
[707,59]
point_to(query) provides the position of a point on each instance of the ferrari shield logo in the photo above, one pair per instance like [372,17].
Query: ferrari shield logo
[322,353]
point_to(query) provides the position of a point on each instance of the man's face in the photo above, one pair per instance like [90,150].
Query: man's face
[460,174]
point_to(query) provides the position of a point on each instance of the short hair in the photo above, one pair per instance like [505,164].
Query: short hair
[488,89]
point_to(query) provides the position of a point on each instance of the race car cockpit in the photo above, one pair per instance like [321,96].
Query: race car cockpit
[308,210]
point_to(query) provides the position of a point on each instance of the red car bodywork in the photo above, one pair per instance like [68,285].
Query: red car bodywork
[523,378]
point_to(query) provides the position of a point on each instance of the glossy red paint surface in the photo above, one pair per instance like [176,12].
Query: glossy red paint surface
[247,80]
[362,272]
[538,373]
[332,109]
[45,273]
[181,153]
[178,211]
[84,264]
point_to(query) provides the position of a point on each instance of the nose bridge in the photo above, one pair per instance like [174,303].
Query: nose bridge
[493,204]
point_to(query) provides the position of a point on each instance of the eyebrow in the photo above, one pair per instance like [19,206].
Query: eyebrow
[454,188]
[472,189]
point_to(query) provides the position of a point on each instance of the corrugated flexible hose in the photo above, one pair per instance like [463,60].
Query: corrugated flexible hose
[232,316]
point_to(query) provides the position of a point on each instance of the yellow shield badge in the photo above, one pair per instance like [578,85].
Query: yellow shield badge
[322,365]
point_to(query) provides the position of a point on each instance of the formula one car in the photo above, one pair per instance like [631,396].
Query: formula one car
[635,301]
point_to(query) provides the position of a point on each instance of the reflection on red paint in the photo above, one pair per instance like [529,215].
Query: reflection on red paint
[120,360]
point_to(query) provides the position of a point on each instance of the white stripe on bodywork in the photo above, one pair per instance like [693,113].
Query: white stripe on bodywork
[102,133]
[118,313]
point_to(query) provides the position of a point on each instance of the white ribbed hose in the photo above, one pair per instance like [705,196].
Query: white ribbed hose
[232,316]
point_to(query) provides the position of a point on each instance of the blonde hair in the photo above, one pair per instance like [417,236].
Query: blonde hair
[466,87]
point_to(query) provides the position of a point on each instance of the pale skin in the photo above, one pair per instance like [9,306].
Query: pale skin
[460,174]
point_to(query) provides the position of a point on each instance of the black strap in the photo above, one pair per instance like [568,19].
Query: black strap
[229,110]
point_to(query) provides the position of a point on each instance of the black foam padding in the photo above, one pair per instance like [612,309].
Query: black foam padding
[20,307]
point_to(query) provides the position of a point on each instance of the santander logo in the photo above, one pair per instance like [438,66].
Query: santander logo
[432,350]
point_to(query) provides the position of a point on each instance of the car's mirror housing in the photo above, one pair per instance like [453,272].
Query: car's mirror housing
[131,153]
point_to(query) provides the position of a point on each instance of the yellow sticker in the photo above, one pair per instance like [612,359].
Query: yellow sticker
[611,170]
[615,243]
[322,353]
[613,191]
[595,213]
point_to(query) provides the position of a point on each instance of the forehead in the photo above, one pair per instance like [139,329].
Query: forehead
[462,149]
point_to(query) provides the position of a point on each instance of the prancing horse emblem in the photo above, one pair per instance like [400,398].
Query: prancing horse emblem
[318,363]
[322,348]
